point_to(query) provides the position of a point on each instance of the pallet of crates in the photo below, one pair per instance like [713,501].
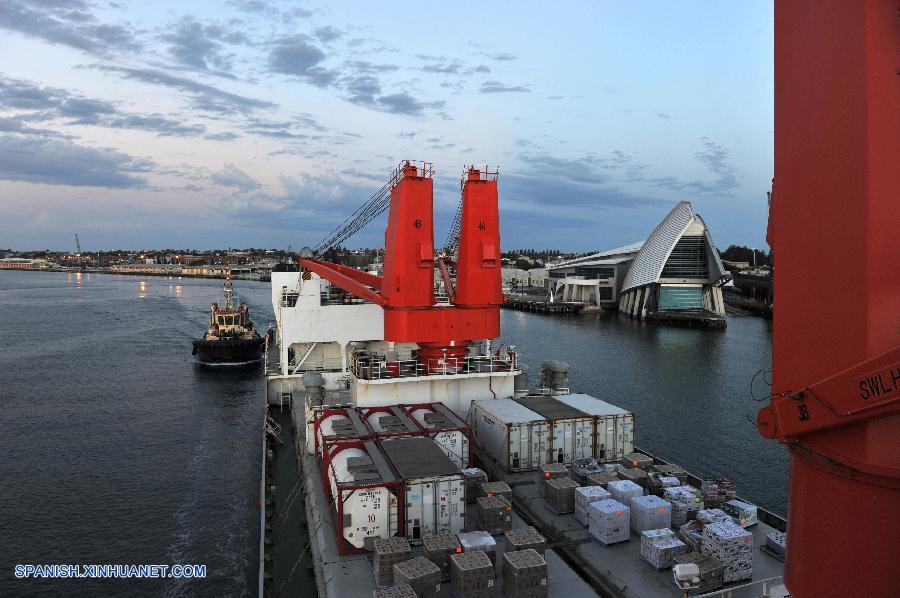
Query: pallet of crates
[494,514]
[650,512]
[624,490]
[584,496]
[659,547]
[560,495]
[685,502]
[525,574]
[423,576]
[474,479]
[731,545]
[711,571]
[609,522]
[524,539]
[472,575]
[438,549]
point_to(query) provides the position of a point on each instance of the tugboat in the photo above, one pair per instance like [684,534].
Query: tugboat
[230,338]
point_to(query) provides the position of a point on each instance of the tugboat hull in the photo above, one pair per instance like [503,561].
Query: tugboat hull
[229,350]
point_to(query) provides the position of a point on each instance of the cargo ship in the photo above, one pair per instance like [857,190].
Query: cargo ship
[230,337]
[404,454]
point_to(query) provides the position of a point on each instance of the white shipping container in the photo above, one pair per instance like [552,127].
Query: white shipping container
[572,430]
[434,487]
[513,435]
[613,426]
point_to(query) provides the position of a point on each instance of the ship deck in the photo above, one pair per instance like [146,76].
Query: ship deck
[578,567]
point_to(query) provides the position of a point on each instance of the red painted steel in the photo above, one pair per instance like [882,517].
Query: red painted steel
[478,276]
[407,289]
[833,222]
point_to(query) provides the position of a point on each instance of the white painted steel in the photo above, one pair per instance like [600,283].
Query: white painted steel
[368,512]
[435,506]
[454,443]
[613,426]
[515,436]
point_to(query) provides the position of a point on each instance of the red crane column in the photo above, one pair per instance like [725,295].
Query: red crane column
[833,227]
[478,274]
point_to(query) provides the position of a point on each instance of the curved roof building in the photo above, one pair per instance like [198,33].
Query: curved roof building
[677,274]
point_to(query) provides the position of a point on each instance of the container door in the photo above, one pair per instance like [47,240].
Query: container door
[514,448]
[449,503]
[605,442]
[626,422]
[539,443]
[414,510]
[584,438]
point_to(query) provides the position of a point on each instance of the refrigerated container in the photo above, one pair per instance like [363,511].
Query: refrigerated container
[571,430]
[613,426]
[511,434]
[333,424]
[434,489]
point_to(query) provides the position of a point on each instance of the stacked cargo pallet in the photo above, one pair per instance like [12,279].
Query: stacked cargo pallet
[389,552]
[582,468]
[776,543]
[423,576]
[550,471]
[609,522]
[403,591]
[638,460]
[657,482]
[711,570]
[675,471]
[601,479]
[525,574]
[474,479]
[438,550]
[717,491]
[692,531]
[494,514]
[560,495]
[650,513]
[496,489]
[584,496]
[636,475]
[472,575]
[479,541]
[624,490]
[659,547]
[743,513]
[732,546]
[707,516]
[685,503]
[525,539]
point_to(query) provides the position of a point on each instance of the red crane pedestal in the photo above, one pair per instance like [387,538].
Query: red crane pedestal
[833,220]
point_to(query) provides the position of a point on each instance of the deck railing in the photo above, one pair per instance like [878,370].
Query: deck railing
[372,366]
[756,589]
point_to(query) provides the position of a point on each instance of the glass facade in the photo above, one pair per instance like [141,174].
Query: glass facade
[604,293]
[673,298]
[590,273]
[688,259]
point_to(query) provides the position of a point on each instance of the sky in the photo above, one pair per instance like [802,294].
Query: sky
[264,123]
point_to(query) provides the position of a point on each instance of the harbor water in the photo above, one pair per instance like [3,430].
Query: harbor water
[119,449]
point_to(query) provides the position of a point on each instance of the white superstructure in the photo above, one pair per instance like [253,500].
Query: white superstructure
[322,329]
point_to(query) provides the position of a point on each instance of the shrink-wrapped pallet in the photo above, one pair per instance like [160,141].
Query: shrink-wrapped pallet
[584,496]
[624,490]
[659,547]
[637,460]
[650,512]
[609,521]
[732,546]
[685,502]
[601,478]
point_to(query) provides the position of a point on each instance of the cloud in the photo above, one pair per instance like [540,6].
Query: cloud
[365,67]
[17,125]
[221,136]
[664,116]
[327,34]
[155,123]
[503,56]
[68,23]
[297,57]
[204,97]
[445,68]
[61,162]
[196,47]
[232,176]
[497,87]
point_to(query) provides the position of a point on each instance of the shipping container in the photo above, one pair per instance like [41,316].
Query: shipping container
[337,423]
[434,490]
[511,434]
[571,430]
[613,426]
[446,428]
[389,420]
[364,493]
